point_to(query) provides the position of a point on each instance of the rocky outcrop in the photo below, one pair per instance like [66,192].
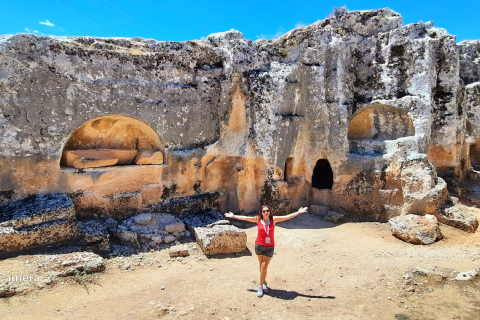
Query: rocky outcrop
[469,54]
[378,103]
[220,237]
[37,220]
[416,229]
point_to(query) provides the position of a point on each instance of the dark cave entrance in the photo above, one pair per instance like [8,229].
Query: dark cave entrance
[322,177]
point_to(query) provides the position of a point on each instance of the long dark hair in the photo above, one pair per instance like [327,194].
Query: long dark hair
[260,216]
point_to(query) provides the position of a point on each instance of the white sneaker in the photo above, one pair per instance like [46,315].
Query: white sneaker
[264,287]
[260,291]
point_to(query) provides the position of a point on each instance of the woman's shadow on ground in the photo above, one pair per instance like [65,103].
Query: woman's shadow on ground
[290,295]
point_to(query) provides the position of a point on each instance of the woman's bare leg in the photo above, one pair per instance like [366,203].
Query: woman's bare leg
[260,261]
[263,268]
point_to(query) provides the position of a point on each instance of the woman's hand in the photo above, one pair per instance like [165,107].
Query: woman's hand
[303,209]
[229,215]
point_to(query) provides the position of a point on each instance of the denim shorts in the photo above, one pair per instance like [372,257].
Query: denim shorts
[261,250]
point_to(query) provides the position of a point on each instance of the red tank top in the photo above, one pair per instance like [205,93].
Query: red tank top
[262,234]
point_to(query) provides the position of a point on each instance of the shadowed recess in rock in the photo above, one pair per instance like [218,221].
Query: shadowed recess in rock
[322,177]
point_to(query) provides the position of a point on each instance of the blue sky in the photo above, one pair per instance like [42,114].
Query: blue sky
[182,20]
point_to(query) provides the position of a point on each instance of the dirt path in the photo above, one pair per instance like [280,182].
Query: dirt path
[320,270]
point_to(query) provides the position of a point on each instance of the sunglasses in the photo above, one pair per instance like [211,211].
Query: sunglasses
[266,211]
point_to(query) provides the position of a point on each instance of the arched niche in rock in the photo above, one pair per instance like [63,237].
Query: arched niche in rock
[322,177]
[112,140]
[380,122]
[474,153]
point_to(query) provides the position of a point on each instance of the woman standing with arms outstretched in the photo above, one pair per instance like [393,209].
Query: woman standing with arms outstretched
[265,243]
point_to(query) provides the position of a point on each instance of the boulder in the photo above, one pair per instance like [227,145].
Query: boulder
[169,239]
[148,156]
[91,158]
[416,229]
[318,210]
[143,219]
[37,220]
[178,251]
[220,237]
[128,238]
[332,216]
[156,239]
[458,216]
[175,226]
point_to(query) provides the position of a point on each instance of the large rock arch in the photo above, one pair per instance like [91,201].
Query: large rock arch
[110,140]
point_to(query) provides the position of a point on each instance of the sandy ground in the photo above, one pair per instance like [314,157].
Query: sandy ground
[320,270]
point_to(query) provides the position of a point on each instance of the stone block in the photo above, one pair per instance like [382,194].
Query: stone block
[92,158]
[142,219]
[124,156]
[332,216]
[458,216]
[13,240]
[128,238]
[37,220]
[149,156]
[169,239]
[175,226]
[220,238]
[178,251]
[318,210]
[96,235]
[416,229]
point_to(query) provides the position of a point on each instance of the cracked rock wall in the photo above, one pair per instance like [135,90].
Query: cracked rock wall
[237,116]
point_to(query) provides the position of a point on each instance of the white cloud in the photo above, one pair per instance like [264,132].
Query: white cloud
[46,23]
[27,29]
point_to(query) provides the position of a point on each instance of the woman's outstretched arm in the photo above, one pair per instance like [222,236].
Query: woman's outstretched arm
[244,218]
[290,216]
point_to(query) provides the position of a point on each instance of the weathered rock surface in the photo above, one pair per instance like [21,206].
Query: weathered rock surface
[469,53]
[96,236]
[82,159]
[332,216]
[178,251]
[458,216]
[193,220]
[319,210]
[148,156]
[359,90]
[37,220]
[220,237]
[143,219]
[51,269]
[128,238]
[416,229]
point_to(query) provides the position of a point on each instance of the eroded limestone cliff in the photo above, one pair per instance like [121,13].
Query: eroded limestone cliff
[357,112]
